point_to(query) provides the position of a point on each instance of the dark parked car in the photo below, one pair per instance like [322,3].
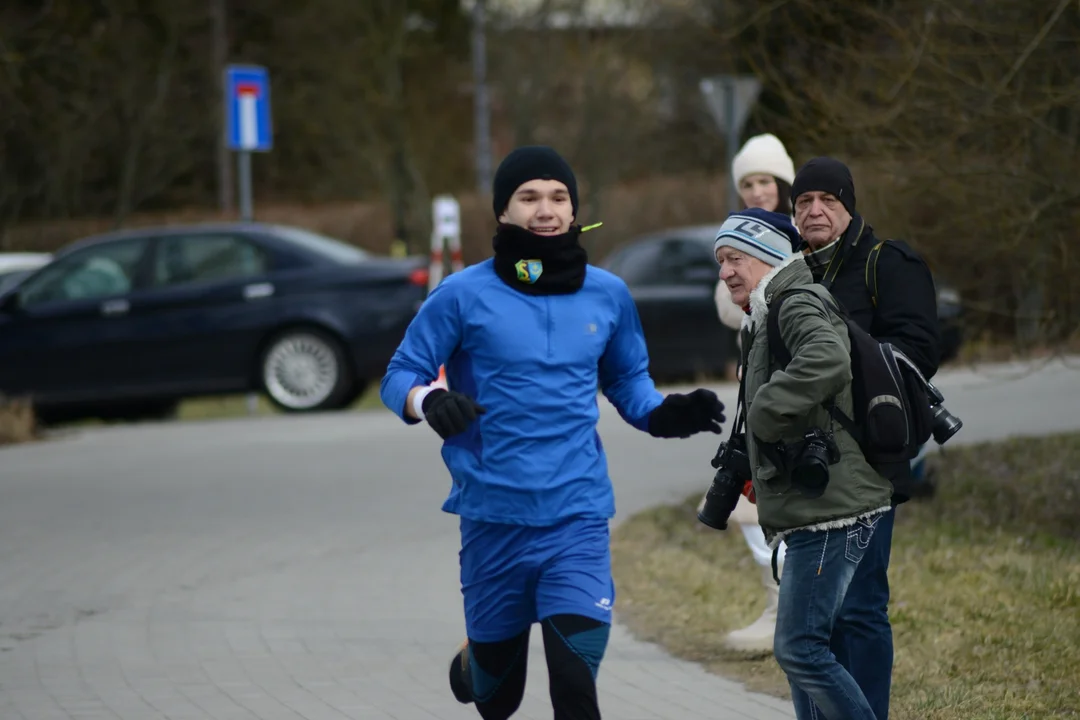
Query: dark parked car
[126,324]
[951,316]
[15,266]
[672,276]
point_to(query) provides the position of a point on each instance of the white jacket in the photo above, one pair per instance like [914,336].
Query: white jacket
[730,314]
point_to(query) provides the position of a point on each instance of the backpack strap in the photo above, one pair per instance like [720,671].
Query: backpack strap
[777,348]
[871,271]
[782,355]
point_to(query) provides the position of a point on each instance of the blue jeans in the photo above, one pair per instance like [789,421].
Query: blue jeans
[818,570]
[862,639]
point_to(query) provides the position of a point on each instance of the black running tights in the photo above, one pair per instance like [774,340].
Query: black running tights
[573,645]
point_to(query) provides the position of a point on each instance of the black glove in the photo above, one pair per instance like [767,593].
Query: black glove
[449,412]
[680,416]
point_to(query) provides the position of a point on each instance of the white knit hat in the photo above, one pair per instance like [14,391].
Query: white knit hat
[763,154]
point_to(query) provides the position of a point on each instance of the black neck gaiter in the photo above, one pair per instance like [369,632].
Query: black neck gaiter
[540,264]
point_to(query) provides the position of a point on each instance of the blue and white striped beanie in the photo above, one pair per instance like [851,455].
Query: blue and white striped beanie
[768,236]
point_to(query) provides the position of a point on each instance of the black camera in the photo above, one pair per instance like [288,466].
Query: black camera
[943,424]
[732,471]
[809,461]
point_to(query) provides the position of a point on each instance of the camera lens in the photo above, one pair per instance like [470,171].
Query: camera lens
[944,424]
[811,472]
[811,478]
[721,499]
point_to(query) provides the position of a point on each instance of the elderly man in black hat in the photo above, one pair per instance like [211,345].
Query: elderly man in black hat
[887,289]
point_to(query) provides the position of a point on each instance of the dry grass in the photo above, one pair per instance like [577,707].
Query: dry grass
[228,406]
[982,349]
[16,421]
[985,579]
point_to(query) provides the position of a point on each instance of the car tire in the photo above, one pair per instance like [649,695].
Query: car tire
[305,369]
[359,387]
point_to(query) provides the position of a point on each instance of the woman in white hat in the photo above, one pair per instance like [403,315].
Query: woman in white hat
[763,172]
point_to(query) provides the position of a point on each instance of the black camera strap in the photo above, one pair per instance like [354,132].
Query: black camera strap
[740,418]
[740,403]
[847,245]
[740,409]
[740,413]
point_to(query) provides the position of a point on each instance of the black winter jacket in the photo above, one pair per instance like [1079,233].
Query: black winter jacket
[906,312]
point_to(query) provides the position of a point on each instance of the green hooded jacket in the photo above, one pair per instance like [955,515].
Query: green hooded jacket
[782,404]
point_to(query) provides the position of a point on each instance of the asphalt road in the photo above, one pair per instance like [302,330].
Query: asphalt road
[278,567]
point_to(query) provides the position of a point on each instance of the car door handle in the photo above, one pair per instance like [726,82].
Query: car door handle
[115,307]
[258,290]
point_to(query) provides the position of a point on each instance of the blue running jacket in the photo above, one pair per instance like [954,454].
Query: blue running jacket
[535,363]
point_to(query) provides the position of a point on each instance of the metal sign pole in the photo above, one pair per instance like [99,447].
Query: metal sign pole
[481,100]
[247,124]
[247,129]
[243,166]
[732,139]
[729,99]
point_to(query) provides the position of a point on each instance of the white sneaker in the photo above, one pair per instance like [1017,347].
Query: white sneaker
[757,638]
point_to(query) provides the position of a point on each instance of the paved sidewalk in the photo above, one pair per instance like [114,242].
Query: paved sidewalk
[270,569]
[299,568]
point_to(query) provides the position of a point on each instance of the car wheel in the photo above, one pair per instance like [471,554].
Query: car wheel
[359,387]
[305,369]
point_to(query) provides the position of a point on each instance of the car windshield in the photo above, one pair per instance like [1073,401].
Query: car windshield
[328,247]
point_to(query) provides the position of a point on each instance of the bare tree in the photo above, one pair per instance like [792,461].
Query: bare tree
[960,118]
[571,74]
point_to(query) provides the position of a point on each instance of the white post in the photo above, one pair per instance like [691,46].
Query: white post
[445,235]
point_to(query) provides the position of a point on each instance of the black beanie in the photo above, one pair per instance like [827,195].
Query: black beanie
[530,162]
[825,174]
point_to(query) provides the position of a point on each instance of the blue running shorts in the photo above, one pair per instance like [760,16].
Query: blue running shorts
[513,575]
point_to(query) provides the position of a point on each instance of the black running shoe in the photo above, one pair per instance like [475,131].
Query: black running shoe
[460,682]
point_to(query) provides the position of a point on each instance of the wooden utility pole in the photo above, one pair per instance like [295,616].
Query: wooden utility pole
[220,57]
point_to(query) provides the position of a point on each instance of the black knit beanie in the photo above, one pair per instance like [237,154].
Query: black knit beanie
[530,162]
[825,174]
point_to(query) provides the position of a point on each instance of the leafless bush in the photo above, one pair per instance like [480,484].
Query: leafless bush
[16,421]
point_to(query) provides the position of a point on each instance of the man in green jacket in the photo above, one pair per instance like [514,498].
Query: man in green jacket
[826,526]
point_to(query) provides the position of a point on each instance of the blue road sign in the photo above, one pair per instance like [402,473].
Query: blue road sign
[247,108]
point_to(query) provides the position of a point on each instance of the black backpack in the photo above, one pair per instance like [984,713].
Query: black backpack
[892,416]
